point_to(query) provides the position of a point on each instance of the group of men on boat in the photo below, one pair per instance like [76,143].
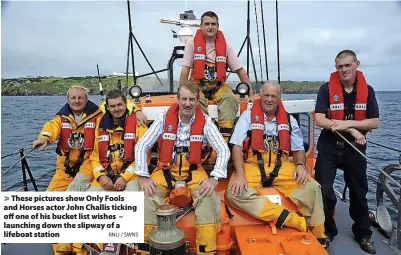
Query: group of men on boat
[107,147]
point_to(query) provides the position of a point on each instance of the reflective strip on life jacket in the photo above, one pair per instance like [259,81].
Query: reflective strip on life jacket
[198,71]
[336,97]
[258,128]
[128,138]
[167,141]
[67,130]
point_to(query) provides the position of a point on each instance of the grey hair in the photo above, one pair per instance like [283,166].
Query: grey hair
[76,87]
[271,82]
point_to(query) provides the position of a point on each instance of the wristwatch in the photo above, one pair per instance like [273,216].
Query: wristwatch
[301,164]
[214,177]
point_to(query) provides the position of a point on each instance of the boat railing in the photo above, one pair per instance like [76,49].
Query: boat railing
[26,170]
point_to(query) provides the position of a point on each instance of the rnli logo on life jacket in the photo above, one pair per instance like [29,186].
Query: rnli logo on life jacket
[169,136]
[103,138]
[66,125]
[199,49]
[336,98]
[196,138]
[360,106]
[257,118]
[170,128]
[90,125]
[130,136]
[220,59]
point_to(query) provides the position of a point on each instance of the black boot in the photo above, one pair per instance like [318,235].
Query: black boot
[331,230]
[367,245]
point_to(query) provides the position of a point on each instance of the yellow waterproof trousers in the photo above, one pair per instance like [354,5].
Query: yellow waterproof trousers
[227,107]
[61,180]
[64,182]
[207,209]
[308,198]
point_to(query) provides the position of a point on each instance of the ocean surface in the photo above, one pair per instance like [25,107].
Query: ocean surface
[22,119]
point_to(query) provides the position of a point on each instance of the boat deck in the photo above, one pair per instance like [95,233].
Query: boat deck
[344,243]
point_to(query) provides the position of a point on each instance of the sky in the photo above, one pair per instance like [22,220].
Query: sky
[68,38]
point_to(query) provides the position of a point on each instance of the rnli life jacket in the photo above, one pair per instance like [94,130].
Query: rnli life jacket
[167,141]
[68,137]
[128,135]
[180,196]
[198,72]
[255,139]
[336,97]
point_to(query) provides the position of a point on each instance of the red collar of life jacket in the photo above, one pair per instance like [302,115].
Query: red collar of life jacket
[129,139]
[336,97]
[198,71]
[167,141]
[258,127]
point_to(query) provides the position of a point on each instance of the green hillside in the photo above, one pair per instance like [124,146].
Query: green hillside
[59,86]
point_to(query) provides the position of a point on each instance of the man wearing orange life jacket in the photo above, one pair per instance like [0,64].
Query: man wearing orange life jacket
[74,127]
[208,55]
[182,133]
[265,137]
[348,105]
[117,132]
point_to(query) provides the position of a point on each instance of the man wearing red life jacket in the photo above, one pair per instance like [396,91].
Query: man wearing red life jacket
[74,128]
[207,56]
[262,141]
[348,105]
[182,132]
[117,132]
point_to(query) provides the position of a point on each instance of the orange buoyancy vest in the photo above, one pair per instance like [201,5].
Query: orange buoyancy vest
[198,72]
[129,138]
[67,130]
[336,97]
[167,141]
[258,127]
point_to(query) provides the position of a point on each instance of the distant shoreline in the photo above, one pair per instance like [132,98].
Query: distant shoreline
[53,86]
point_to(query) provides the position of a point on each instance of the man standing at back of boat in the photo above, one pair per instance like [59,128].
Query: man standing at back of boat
[348,105]
[206,57]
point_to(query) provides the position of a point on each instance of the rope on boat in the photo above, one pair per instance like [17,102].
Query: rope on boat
[17,161]
[15,152]
[35,179]
[363,155]
[384,146]
[257,31]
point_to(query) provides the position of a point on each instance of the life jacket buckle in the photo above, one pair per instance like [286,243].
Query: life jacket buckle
[181,149]
[267,142]
[210,73]
[121,153]
[75,136]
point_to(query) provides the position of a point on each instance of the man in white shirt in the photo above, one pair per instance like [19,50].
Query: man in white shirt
[183,132]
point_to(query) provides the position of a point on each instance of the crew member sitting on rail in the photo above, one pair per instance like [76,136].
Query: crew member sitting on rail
[262,141]
[182,133]
[206,57]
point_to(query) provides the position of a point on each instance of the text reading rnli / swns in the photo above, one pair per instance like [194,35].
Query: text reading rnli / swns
[90,207]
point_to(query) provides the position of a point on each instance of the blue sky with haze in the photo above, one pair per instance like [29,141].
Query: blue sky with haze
[70,38]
